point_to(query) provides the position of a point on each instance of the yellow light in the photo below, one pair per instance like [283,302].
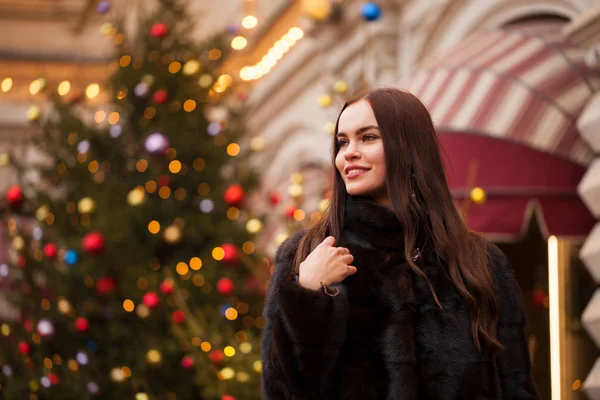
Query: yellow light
[233,149]
[154,227]
[231,314]
[182,268]
[233,213]
[5,329]
[249,21]
[287,39]
[195,263]
[227,373]
[174,67]
[153,356]
[555,318]
[248,247]
[245,73]
[7,84]
[218,253]
[238,43]
[36,86]
[191,67]
[229,351]
[113,118]
[141,396]
[206,347]
[164,192]
[128,305]
[92,90]
[254,225]
[100,117]
[198,280]
[214,54]
[175,166]
[48,363]
[205,80]
[242,377]
[296,33]
[189,105]
[105,28]
[125,61]
[281,46]
[126,372]
[257,366]
[64,87]
[245,347]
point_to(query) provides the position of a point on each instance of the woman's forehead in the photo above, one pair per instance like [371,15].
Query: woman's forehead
[356,116]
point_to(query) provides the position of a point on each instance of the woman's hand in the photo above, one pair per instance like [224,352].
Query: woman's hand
[326,264]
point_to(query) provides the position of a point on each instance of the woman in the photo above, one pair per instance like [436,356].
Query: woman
[350,316]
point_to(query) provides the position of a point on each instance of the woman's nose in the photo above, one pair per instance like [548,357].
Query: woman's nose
[351,151]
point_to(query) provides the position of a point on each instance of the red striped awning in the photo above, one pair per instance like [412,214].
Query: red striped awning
[518,181]
[516,84]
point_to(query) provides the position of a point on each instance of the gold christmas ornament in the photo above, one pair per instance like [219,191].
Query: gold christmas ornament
[254,225]
[478,195]
[319,10]
[325,100]
[136,196]
[86,205]
[141,396]
[191,67]
[172,234]
[340,86]
[18,243]
[34,113]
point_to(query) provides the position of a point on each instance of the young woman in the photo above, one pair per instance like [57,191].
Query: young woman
[389,296]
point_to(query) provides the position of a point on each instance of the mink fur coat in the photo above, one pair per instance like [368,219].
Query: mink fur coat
[383,337]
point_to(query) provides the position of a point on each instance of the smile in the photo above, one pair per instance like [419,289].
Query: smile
[355,173]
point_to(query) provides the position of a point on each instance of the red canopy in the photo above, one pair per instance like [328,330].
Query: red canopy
[517,180]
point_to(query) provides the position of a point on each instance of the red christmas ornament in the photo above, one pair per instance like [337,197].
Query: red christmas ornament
[216,357]
[227,397]
[225,286]
[163,180]
[167,286]
[82,324]
[105,285]
[28,325]
[93,243]
[231,256]
[54,379]
[539,296]
[50,250]
[14,195]
[151,299]
[289,212]
[24,347]
[234,195]
[159,30]
[178,317]
[21,261]
[274,198]
[187,362]
[160,96]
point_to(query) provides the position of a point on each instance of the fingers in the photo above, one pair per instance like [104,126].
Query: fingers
[329,241]
[348,259]
[351,270]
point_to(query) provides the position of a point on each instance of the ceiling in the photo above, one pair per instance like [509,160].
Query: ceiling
[42,9]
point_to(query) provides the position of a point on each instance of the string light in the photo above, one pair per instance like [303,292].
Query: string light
[249,22]
[92,90]
[238,43]
[7,84]
[273,55]
[64,87]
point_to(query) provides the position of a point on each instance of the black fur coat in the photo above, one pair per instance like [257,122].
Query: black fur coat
[383,337]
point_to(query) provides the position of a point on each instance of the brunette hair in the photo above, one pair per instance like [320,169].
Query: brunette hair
[414,165]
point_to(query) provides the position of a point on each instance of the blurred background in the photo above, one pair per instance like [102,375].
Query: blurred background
[155,153]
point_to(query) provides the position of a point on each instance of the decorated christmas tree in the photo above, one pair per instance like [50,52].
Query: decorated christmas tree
[132,271]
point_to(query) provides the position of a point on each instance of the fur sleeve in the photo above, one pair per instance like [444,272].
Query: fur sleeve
[514,365]
[304,331]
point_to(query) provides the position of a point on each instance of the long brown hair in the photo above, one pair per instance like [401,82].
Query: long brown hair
[414,165]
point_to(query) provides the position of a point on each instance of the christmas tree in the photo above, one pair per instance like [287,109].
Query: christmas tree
[133,267]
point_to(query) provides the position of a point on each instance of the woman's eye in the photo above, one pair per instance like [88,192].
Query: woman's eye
[369,137]
[342,143]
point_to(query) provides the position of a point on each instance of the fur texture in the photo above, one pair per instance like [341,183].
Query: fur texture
[383,337]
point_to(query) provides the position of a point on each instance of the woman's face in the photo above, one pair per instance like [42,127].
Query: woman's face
[361,159]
